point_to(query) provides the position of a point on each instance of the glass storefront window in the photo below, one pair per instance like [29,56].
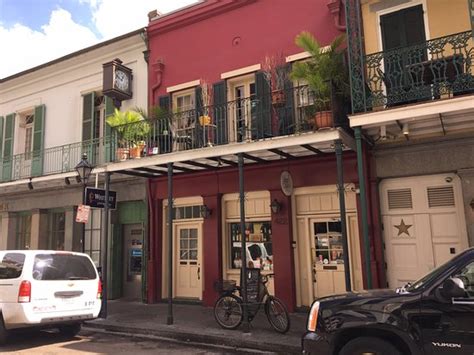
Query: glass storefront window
[92,235]
[328,242]
[56,230]
[259,245]
[23,232]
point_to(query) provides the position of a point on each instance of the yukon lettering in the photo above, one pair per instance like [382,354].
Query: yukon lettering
[446,345]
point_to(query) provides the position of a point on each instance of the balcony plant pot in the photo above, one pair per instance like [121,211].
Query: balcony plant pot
[135,152]
[323,119]
[204,120]
[278,98]
[122,154]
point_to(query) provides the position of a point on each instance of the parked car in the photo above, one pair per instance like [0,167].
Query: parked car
[434,315]
[44,289]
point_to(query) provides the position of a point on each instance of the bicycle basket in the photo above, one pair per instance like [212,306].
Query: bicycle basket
[225,285]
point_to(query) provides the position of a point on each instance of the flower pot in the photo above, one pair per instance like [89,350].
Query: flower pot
[122,154]
[135,152]
[278,98]
[204,120]
[323,119]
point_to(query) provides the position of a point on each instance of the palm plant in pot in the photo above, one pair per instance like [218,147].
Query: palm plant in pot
[132,130]
[325,73]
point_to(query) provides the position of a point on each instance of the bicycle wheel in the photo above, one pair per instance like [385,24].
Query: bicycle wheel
[228,311]
[277,314]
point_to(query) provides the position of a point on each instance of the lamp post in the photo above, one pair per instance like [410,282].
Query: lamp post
[84,169]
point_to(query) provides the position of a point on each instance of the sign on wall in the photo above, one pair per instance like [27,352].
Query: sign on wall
[82,215]
[286,183]
[96,198]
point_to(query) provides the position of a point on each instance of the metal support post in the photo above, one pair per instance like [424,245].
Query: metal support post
[246,324]
[169,320]
[363,206]
[83,229]
[104,247]
[342,207]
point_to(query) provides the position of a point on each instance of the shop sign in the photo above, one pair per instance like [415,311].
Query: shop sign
[96,198]
[286,183]
[82,215]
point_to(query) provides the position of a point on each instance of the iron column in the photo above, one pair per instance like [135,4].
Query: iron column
[169,320]
[104,247]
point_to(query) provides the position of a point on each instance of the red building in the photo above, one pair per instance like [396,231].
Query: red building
[292,200]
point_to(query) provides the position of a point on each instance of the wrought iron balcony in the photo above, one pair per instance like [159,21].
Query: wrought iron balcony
[437,69]
[55,160]
[289,112]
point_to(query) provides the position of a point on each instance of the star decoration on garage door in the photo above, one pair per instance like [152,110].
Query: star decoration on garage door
[403,228]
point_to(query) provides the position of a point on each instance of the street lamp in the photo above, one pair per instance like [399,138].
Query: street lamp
[84,169]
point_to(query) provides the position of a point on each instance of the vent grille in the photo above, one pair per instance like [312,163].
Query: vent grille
[400,198]
[441,196]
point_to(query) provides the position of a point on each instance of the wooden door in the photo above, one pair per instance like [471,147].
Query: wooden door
[188,280]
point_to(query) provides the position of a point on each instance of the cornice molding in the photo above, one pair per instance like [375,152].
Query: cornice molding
[193,14]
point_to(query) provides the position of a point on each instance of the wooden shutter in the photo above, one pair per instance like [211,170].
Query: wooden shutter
[109,146]
[116,262]
[220,112]
[261,109]
[88,124]
[198,139]
[8,147]
[38,141]
[286,121]
[164,136]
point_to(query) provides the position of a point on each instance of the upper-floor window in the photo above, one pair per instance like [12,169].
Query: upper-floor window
[242,108]
[29,120]
[184,119]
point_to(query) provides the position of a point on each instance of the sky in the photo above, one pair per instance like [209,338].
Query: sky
[33,32]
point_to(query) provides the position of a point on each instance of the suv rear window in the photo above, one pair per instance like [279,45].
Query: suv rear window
[63,267]
[11,265]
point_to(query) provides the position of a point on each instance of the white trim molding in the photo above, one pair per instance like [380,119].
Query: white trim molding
[297,56]
[241,71]
[183,86]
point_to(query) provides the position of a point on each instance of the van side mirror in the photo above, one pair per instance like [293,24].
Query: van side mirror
[452,287]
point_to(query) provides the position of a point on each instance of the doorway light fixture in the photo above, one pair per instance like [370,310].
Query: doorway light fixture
[275,206]
[205,211]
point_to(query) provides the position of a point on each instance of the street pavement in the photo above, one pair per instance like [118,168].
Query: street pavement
[196,323]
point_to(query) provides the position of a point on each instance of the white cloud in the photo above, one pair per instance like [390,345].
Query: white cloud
[115,17]
[25,48]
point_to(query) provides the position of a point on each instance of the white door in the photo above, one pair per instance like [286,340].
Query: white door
[241,109]
[424,224]
[188,261]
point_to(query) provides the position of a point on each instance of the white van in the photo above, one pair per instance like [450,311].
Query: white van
[44,288]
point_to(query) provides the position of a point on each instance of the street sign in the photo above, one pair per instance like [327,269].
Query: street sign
[82,215]
[96,198]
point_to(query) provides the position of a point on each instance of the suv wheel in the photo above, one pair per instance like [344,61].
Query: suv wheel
[3,331]
[70,330]
[369,345]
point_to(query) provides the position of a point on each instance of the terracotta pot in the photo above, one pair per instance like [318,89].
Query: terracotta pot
[278,98]
[204,120]
[122,154]
[135,152]
[323,119]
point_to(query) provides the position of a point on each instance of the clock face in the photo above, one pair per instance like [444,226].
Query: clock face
[121,81]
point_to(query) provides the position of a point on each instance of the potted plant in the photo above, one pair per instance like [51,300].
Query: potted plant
[132,130]
[325,73]
[273,68]
[206,99]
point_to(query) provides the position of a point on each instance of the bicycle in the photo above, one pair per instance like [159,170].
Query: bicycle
[228,309]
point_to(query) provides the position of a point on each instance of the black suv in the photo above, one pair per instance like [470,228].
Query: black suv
[434,315]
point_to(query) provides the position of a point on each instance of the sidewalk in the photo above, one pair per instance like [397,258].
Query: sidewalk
[195,323]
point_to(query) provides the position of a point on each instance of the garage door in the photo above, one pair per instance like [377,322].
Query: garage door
[424,224]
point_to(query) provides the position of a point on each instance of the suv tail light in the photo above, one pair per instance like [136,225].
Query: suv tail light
[99,290]
[24,293]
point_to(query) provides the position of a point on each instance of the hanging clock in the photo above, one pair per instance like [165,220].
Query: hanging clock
[117,81]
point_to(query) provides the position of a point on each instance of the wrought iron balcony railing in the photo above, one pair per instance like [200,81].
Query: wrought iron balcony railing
[250,119]
[59,159]
[437,69]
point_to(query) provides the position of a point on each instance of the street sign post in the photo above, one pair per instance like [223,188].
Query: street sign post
[96,198]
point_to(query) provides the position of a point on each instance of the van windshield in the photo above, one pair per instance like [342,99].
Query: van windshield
[63,267]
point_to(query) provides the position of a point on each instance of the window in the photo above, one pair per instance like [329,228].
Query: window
[242,108]
[184,119]
[92,235]
[259,245]
[328,242]
[11,266]
[29,121]
[467,277]
[23,232]
[56,230]
[62,267]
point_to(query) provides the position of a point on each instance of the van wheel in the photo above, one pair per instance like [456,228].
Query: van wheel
[3,331]
[70,330]
[369,345]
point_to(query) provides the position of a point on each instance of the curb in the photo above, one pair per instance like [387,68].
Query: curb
[204,339]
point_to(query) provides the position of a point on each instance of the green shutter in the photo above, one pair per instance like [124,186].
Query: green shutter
[88,124]
[109,146]
[8,147]
[116,261]
[286,121]
[220,112]
[164,102]
[38,141]
[261,109]
[198,112]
